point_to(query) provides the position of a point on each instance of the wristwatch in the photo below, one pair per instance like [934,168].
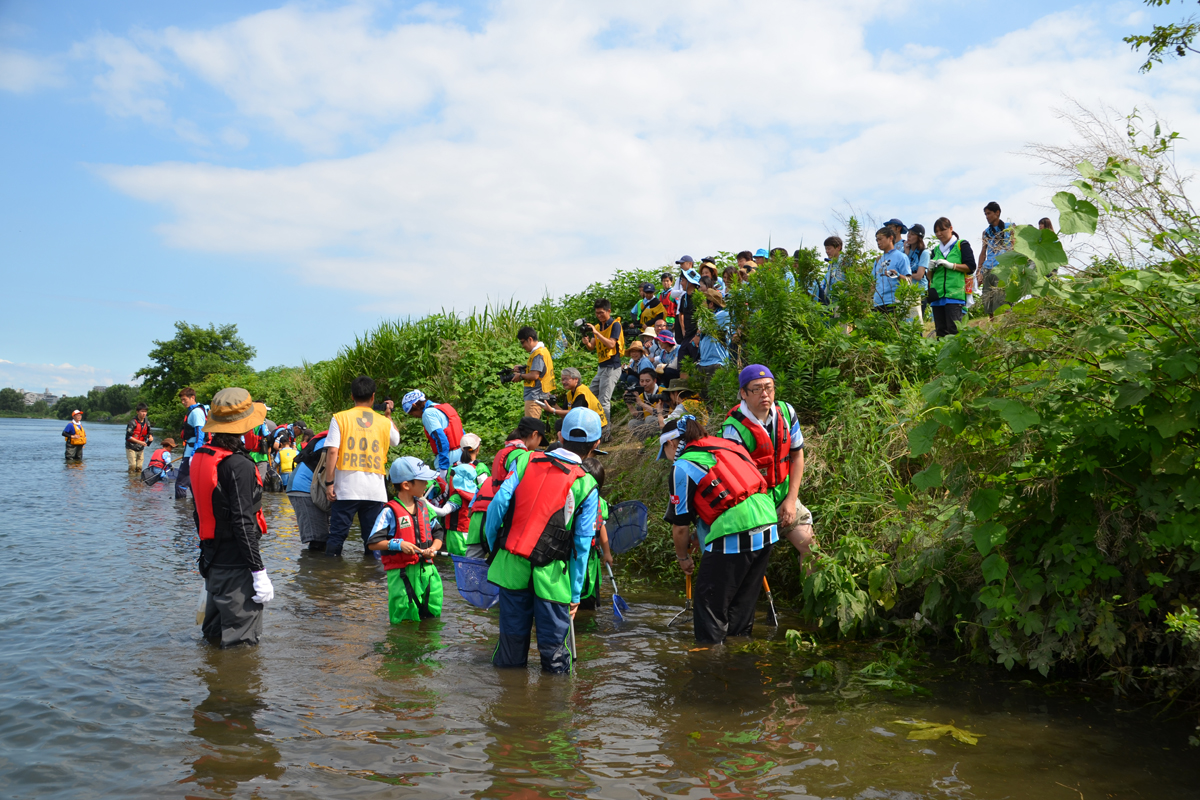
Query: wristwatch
[329,483]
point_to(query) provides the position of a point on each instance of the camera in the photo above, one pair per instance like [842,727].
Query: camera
[631,395]
[505,374]
[583,326]
[380,407]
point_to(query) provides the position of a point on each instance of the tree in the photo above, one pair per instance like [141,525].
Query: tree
[65,405]
[195,352]
[1165,39]
[11,400]
[116,399]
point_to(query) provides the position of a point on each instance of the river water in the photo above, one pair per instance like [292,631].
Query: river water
[107,690]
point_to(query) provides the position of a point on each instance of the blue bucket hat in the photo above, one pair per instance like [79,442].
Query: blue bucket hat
[581,425]
[410,468]
[692,275]
[760,253]
[411,399]
[753,373]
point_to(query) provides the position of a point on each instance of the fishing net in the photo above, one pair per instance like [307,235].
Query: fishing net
[627,526]
[470,575]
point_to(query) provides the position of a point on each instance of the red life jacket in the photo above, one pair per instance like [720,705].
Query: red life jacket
[730,481]
[540,495]
[157,459]
[774,461]
[252,440]
[453,430]
[410,528]
[665,298]
[487,492]
[204,484]
[140,429]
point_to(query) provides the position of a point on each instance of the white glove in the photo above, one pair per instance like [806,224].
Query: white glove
[438,511]
[264,592]
[941,262]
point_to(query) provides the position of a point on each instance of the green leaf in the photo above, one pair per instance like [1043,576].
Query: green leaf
[989,535]
[1172,421]
[1018,415]
[1040,246]
[902,497]
[1131,394]
[1100,338]
[920,438]
[994,568]
[929,477]
[1075,215]
[984,503]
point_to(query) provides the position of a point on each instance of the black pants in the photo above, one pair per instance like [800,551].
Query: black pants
[74,452]
[946,319]
[231,617]
[183,478]
[727,587]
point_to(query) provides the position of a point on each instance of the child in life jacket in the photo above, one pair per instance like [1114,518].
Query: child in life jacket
[600,553]
[403,534]
[453,500]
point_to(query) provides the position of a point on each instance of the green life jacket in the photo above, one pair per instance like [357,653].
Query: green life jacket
[948,283]
[553,581]
[756,511]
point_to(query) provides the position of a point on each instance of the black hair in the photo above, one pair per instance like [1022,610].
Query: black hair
[992,206]
[693,431]
[187,391]
[942,223]
[834,241]
[526,333]
[1046,224]
[593,467]
[142,407]
[581,449]
[746,255]
[778,251]
[887,231]
[650,372]
[666,275]
[602,303]
[228,441]
[362,388]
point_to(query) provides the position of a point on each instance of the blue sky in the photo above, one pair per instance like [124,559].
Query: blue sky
[280,166]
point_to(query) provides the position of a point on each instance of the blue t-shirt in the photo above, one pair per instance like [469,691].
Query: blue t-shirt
[885,287]
[712,350]
[999,240]
[302,475]
[196,418]
[916,260]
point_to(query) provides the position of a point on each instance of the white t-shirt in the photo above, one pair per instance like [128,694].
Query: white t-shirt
[355,485]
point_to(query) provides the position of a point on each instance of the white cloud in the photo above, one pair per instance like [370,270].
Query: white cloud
[134,82]
[22,72]
[59,379]
[525,154]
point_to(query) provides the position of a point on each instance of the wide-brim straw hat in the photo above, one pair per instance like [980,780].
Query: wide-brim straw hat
[234,411]
[715,296]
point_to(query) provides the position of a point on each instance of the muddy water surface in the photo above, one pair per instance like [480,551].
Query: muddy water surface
[106,689]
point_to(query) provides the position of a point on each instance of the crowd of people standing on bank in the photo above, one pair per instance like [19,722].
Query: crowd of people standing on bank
[535,513]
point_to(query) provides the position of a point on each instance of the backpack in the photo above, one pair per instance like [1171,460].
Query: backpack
[316,492]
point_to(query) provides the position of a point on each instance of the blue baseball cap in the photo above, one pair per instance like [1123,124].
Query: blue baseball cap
[760,253]
[411,399]
[581,425]
[685,260]
[410,468]
[692,275]
[753,373]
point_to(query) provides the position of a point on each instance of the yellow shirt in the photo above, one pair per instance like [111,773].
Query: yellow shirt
[365,439]
[546,382]
[591,400]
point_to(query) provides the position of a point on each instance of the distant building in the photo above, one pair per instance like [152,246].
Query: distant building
[100,389]
[33,397]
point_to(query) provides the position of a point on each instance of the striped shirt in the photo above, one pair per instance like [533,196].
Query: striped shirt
[685,478]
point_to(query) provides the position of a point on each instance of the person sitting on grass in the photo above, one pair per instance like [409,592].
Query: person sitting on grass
[404,537]
[644,404]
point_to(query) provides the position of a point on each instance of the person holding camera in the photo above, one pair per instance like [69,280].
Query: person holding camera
[950,262]
[578,396]
[608,340]
[638,361]
[537,374]
[643,403]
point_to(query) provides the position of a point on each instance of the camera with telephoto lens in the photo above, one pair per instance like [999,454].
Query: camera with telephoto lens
[583,326]
[506,374]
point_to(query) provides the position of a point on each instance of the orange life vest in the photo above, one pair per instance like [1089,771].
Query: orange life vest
[732,479]
[411,528]
[204,485]
[453,429]
[540,497]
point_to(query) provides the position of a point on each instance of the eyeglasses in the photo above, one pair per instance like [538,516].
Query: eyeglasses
[766,388]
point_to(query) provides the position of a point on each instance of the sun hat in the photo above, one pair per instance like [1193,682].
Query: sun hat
[411,399]
[581,425]
[715,296]
[168,443]
[233,411]
[897,223]
[692,275]
[470,441]
[685,260]
[666,337]
[761,253]
[636,344]
[650,332]
[410,468]
[752,373]
[679,385]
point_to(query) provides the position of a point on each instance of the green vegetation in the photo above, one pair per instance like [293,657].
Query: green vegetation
[1173,39]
